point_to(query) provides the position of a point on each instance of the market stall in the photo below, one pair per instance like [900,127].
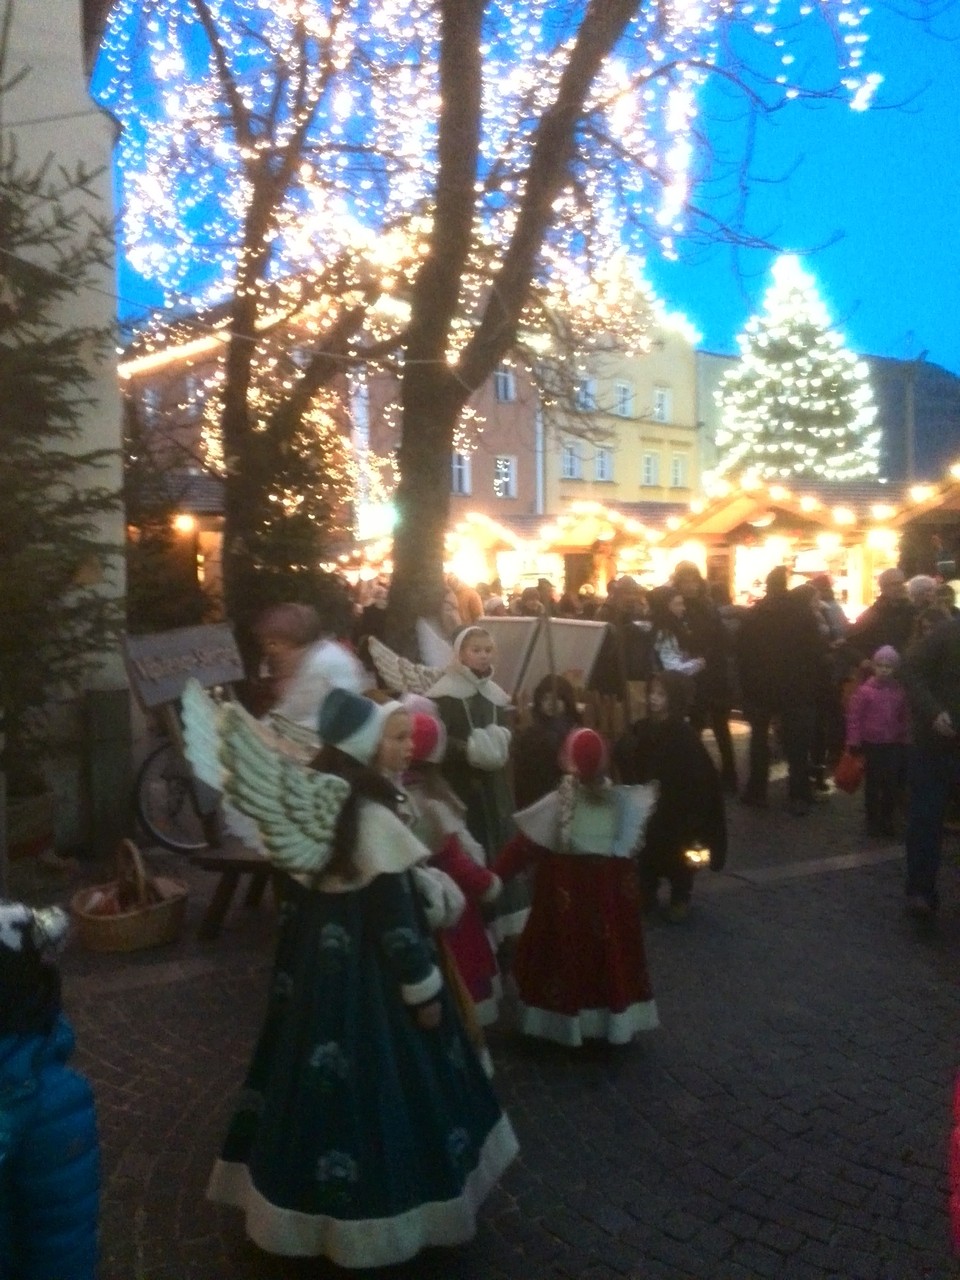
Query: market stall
[740,533]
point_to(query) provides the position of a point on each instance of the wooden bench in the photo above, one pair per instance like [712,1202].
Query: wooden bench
[231,861]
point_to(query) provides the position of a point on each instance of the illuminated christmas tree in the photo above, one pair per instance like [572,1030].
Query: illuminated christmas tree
[798,403]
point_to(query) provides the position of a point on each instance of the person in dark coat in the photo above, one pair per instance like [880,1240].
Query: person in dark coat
[930,673]
[889,620]
[536,749]
[690,809]
[49,1147]
[626,655]
[782,658]
[713,694]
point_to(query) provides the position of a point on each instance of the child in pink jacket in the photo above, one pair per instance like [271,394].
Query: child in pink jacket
[878,725]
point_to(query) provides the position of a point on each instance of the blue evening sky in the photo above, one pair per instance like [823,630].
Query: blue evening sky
[886,181]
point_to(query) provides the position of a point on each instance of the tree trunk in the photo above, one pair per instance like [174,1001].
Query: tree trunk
[432,401]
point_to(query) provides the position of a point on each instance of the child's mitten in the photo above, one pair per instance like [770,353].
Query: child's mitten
[488,748]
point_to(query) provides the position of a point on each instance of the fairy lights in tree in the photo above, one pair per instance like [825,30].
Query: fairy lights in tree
[309,152]
[798,403]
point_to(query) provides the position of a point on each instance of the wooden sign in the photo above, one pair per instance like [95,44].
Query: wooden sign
[160,664]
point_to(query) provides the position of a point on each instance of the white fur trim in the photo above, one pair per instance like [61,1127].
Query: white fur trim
[460,682]
[589,1024]
[488,748]
[14,919]
[488,1011]
[494,891]
[370,1242]
[442,898]
[424,990]
[507,926]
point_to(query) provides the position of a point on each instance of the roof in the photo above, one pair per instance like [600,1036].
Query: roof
[771,507]
[198,493]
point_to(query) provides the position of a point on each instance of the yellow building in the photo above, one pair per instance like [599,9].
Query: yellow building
[631,435]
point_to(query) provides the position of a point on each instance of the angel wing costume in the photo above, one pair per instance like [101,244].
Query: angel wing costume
[331,1150]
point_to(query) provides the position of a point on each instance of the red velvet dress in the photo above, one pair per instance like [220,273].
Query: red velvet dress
[580,965]
[468,939]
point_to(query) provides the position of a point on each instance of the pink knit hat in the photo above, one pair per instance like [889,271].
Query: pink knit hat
[888,655]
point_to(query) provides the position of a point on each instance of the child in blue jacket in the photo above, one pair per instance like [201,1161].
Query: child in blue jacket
[49,1149]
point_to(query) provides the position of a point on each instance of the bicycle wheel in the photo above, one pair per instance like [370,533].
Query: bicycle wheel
[166,803]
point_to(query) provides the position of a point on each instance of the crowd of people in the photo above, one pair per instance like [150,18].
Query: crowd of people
[435,847]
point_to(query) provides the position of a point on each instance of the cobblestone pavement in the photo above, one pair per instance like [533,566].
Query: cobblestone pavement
[788,1120]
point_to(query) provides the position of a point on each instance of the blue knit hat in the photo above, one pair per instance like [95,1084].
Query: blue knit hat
[354,724]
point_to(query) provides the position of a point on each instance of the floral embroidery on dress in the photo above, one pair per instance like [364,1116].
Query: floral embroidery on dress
[334,946]
[330,1060]
[338,1173]
[397,941]
[458,1146]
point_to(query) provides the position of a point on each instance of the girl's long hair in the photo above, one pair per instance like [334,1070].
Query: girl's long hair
[366,783]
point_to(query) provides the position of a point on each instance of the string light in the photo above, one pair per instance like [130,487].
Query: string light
[360,84]
[338,105]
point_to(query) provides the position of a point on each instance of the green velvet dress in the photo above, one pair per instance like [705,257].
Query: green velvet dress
[358,1135]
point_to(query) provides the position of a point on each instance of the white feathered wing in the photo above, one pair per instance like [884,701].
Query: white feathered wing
[272,802]
[399,674]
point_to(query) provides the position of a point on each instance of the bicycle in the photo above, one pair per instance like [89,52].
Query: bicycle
[166,801]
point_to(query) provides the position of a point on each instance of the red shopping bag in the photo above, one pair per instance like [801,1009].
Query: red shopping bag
[849,772]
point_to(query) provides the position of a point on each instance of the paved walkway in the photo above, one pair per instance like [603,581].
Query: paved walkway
[788,1120]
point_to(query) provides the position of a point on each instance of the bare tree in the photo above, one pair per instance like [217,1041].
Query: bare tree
[432,181]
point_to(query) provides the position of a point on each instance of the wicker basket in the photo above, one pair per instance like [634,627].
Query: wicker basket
[151,923]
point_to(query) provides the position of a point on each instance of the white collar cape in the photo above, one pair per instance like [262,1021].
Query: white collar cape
[459,681]
[541,821]
[384,847]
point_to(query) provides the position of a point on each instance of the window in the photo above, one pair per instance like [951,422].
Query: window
[505,477]
[678,471]
[650,469]
[505,385]
[585,394]
[623,399]
[662,404]
[150,403]
[460,477]
[570,463]
[603,464]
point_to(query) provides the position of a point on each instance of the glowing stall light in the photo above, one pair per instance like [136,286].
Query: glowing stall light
[882,539]
[921,492]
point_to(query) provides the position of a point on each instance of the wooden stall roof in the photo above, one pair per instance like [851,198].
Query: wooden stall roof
[840,507]
[927,503]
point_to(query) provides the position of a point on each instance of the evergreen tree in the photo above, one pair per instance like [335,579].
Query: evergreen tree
[58,616]
[798,403]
